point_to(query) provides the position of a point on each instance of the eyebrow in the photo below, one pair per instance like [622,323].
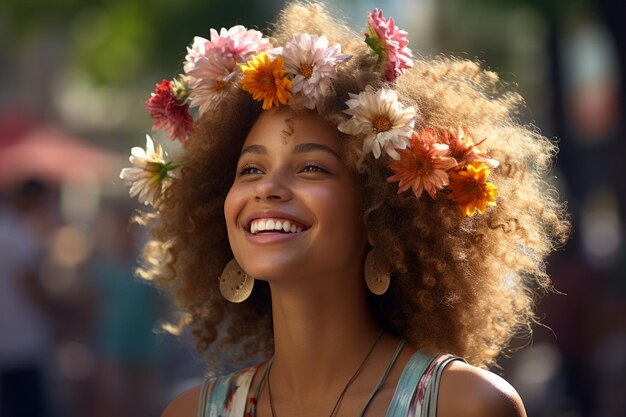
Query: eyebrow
[259,149]
[299,148]
[309,147]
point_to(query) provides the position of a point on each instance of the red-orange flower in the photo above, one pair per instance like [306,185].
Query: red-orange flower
[170,113]
[424,166]
[461,145]
[470,189]
[463,148]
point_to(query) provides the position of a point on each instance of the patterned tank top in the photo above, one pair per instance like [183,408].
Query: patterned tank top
[415,395]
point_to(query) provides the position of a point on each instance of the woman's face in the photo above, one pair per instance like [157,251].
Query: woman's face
[294,209]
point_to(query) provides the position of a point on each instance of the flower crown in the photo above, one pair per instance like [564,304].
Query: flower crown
[444,163]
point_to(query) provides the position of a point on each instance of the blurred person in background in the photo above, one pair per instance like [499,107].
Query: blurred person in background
[126,345]
[26,218]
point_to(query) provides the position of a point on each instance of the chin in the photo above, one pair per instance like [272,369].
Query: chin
[271,269]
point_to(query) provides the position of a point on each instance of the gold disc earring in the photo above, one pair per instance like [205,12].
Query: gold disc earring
[377,277]
[235,284]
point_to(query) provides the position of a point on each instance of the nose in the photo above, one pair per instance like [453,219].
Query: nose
[273,186]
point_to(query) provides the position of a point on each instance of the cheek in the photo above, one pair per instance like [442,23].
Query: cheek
[340,211]
[232,206]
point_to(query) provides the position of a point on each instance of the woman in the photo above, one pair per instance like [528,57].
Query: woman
[372,227]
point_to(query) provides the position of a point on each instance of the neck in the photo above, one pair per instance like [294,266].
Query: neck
[321,335]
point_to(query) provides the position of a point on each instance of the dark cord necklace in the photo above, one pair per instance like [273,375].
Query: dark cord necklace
[343,392]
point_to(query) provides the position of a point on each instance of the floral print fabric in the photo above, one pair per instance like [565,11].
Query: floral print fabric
[227,396]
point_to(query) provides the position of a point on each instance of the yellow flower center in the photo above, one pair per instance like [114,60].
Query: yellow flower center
[381,123]
[306,70]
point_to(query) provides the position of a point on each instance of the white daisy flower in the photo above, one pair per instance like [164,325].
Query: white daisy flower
[311,63]
[147,177]
[379,116]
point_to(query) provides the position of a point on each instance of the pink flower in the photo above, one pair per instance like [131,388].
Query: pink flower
[239,42]
[423,167]
[169,113]
[211,80]
[203,52]
[212,64]
[236,44]
[390,43]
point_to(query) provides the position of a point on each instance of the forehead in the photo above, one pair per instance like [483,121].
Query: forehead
[281,128]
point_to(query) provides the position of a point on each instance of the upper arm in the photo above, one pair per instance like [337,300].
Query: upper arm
[185,405]
[469,391]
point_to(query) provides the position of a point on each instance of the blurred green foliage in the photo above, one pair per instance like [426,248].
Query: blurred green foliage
[119,42]
[548,8]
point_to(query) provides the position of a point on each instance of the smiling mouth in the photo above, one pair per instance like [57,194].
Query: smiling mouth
[274,225]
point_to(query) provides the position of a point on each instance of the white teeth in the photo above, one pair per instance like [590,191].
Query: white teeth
[260,225]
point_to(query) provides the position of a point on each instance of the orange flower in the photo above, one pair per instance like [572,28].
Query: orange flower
[463,148]
[423,167]
[470,188]
[265,80]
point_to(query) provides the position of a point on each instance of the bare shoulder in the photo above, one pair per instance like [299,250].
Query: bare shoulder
[185,405]
[469,391]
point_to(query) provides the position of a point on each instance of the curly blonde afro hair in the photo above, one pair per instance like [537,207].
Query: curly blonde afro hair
[464,285]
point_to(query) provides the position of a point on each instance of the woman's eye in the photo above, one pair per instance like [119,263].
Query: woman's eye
[313,168]
[249,170]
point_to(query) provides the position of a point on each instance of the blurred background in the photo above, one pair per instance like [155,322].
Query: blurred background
[80,334]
